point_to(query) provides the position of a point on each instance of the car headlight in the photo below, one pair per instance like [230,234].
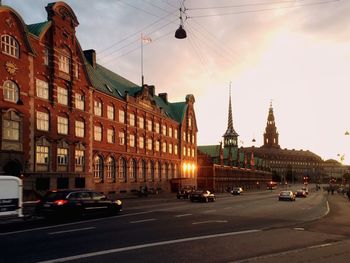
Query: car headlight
[118,202]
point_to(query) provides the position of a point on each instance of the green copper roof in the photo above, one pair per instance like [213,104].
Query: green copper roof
[113,84]
[37,28]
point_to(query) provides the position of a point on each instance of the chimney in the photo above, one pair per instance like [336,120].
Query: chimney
[151,89]
[90,56]
[164,97]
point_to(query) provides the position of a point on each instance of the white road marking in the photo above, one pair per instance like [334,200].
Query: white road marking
[209,211]
[71,230]
[70,224]
[141,221]
[210,221]
[183,215]
[299,228]
[162,243]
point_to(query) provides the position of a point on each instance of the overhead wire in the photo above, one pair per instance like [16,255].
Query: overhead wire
[264,9]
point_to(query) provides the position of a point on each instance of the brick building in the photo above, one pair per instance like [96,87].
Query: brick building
[68,122]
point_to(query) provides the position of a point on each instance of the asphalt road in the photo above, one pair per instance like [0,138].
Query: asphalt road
[251,227]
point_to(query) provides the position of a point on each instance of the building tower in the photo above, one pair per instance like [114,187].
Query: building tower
[230,136]
[271,134]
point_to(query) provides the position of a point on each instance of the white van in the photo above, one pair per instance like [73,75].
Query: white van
[10,196]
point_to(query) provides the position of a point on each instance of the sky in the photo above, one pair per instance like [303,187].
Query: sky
[294,54]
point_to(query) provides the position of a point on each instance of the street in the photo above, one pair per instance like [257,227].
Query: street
[233,228]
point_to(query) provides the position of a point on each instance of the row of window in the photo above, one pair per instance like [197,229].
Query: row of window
[132,171]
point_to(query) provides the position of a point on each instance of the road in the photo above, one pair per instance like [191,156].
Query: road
[252,227]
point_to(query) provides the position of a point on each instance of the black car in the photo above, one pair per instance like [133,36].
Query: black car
[202,196]
[72,203]
[184,193]
[237,191]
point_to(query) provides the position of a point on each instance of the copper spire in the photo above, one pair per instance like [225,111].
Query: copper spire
[230,136]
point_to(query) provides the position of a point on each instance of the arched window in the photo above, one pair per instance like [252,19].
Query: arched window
[11,91]
[110,166]
[171,171]
[143,168]
[98,167]
[11,129]
[62,156]
[152,170]
[133,170]
[9,46]
[163,173]
[42,154]
[156,171]
[167,172]
[122,170]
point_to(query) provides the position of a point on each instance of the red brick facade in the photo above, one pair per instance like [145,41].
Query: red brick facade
[61,129]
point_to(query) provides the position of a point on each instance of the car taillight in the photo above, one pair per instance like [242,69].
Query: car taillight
[60,202]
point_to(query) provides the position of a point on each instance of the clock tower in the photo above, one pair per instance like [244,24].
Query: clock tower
[271,134]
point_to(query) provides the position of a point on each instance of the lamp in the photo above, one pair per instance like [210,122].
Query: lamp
[180,33]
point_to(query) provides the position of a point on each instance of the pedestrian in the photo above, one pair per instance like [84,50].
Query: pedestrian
[348,194]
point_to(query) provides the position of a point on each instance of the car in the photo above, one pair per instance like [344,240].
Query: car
[300,193]
[184,193]
[305,189]
[72,203]
[202,196]
[237,191]
[286,196]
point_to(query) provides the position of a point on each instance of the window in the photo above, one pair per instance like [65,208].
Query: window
[141,122]
[79,157]
[132,119]
[98,108]
[157,127]
[170,146]
[98,133]
[141,142]
[79,101]
[42,121]
[110,168]
[46,56]
[184,152]
[98,167]
[175,134]
[9,46]
[110,112]
[164,147]
[79,128]
[42,154]
[175,149]
[170,132]
[149,144]
[192,152]
[189,122]
[122,170]
[121,138]
[188,137]
[133,170]
[62,96]
[62,125]
[62,156]
[76,70]
[110,135]
[149,125]
[11,126]
[157,146]
[64,61]
[193,138]
[184,136]
[188,151]
[121,116]
[11,91]
[132,140]
[163,129]
[42,89]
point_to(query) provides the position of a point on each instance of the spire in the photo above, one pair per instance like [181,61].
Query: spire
[271,134]
[230,136]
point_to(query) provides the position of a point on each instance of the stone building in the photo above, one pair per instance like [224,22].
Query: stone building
[68,122]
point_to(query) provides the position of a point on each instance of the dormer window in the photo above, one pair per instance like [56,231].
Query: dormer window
[9,46]
[64,61]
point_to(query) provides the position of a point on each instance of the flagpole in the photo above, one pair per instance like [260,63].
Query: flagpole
[142,78]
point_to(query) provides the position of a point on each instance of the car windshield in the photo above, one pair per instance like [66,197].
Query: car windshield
[50,196]
[285,193]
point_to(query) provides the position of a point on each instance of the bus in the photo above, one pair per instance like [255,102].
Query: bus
[271,185]
[10,196]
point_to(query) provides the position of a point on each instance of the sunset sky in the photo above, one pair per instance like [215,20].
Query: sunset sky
[295,53]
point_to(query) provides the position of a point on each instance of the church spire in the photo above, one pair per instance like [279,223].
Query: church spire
[230,136]
[271,134]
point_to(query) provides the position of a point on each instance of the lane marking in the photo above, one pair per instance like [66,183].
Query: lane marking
[210,221]
[299,228]
[74,223]
[183,215]
[209,211]
[71,230]
[155,244]
[229,207]
[141,221]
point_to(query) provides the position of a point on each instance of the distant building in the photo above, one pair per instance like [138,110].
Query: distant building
[287,166]
[68,122]
[222,167]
